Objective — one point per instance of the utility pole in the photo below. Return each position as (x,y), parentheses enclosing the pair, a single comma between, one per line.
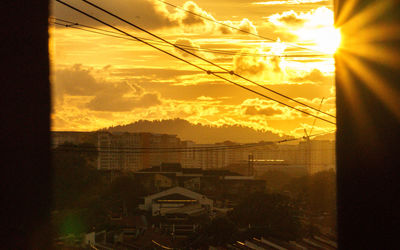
(250,169)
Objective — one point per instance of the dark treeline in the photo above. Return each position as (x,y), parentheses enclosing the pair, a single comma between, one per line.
(83,196)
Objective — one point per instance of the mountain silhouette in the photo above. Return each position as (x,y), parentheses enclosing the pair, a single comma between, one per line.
(199,133)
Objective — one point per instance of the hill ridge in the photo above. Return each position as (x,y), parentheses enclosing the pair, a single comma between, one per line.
(199,133)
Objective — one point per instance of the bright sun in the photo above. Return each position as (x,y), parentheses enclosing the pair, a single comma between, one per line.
(329,40)
(326,39)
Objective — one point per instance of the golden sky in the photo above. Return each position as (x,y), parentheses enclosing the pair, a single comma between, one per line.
(100,81)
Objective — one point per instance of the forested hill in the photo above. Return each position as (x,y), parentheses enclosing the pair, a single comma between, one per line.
(199,133)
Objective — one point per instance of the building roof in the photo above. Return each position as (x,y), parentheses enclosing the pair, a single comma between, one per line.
(219,172)
(192,170)
(177,190)
(174,197)
(164,167)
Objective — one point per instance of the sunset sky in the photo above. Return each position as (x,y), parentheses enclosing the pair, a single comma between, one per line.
(100,81)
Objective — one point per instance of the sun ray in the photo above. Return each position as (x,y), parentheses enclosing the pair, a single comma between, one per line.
(376,83)
(344,12)
(347,85)
(367,15)
(374,53)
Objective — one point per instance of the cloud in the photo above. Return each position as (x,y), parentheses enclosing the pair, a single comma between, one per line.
(118,103)
(251,110)
(315,18)
(224,29)
(292,2)
(104,95)
(247,26)
(190,19)
(151,14)
(289,18)
(269,108)
(294,26)
(205,98)
(152,73)
(256,65)
(188,45)
(315,76)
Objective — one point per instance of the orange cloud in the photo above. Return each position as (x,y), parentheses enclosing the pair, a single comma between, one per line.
(105,95)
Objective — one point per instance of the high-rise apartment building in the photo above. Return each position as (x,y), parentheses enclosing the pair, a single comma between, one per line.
(125,151)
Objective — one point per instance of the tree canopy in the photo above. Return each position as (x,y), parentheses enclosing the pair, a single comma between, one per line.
(269,214)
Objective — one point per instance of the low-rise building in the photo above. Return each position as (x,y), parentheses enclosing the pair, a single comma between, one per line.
(178,211)
(176,199)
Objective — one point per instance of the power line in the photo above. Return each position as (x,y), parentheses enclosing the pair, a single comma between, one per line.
(90,149)
(232,27)
(169,150)
(196,66)
(205,60)
(214,64)
(73,25)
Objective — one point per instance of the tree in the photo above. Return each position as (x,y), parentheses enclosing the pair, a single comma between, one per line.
(218,232)
(276,180)
(317,192)
(267,214)
(77,188)
(75,178)
(125,191)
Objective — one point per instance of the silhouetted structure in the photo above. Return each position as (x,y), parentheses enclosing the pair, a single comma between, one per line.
(368,124)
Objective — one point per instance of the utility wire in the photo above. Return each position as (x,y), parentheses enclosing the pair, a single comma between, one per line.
(208,61)
(232,27)
(73,25)
(69,148)
(161,150)
(196,66)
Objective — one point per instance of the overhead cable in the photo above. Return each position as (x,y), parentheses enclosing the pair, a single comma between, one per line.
(206,60)
(155,150)
(74,25)
(199,67)
(235,28)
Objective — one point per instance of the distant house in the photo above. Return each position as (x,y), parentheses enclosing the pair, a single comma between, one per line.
(214,183)
(176,199)
(178,211)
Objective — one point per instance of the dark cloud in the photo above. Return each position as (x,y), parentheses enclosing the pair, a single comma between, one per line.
(190,19)
(251,110)
(75,81)
(150,14)
(108,95)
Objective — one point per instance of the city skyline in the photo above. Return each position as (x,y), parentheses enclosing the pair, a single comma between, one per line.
(131,152)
